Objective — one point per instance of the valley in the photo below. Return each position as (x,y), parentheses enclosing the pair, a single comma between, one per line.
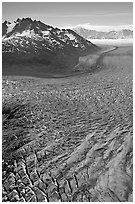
(70,138)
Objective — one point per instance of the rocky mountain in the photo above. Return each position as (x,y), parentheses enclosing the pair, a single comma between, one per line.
(94,34)
(27,41)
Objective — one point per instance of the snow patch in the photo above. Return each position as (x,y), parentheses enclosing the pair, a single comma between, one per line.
(58,32)
(27,33)
(49,28)
(46,32)
(10,27)
(72,37)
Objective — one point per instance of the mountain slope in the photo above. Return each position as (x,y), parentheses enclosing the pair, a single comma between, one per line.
(30,42)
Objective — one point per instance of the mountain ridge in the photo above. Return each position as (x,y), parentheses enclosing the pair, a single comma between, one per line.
(113,34)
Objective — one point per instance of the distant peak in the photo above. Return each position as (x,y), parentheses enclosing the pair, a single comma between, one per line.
(103,28)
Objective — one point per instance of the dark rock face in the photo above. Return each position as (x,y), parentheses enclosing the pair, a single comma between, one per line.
(4,27)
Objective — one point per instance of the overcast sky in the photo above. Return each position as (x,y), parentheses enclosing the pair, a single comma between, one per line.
(61,14)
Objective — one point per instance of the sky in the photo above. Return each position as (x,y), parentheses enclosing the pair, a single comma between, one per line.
(70,14)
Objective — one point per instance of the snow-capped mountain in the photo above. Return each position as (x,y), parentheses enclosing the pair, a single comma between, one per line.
(115,33)
(25,30)
(103,28)
(33,41)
